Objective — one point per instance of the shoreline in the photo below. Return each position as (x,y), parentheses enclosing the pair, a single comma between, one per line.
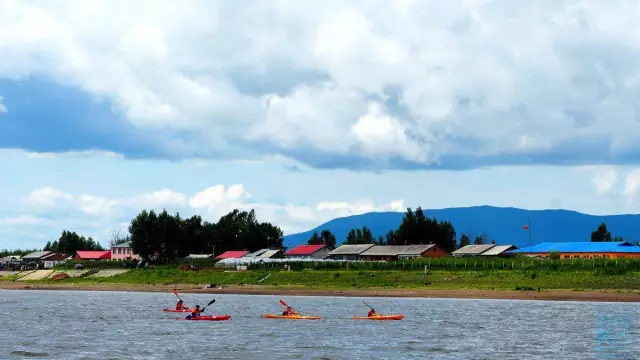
(544,295)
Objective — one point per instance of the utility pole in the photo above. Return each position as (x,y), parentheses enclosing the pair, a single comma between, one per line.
(529,223)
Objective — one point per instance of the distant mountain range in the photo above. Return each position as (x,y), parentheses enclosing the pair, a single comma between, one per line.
(504,225)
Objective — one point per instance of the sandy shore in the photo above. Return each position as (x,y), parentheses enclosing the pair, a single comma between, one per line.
(553,295)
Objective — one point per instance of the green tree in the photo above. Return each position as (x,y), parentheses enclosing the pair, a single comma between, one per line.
(601,234)
(69,242)
(360,236)
(464,241)
(416,228)
(328,238)
(314,239)
(170,236)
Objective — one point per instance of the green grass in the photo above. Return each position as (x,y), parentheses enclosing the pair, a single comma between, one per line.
(344,279)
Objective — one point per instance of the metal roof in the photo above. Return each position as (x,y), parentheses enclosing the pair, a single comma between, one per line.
(124,245)
(473,249)
(200,256)
(232,254)
(351,249)
(416,249)
(384,250)
(257,253)
(498,249)
(37,254)
(269,253)
(304,249)
(577,247)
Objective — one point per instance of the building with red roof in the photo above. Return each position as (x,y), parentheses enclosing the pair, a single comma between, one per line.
(92,255)
(309,252)
(232,254)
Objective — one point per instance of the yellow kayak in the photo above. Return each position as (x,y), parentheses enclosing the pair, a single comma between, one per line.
(380,317)
(291,317)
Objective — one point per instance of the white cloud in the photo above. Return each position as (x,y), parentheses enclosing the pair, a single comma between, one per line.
(632,185)
(48,197)
(211,203)
(604,178)
(473,78)
(21,220)
(3,107)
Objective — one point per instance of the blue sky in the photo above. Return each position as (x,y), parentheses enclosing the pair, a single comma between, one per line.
(307,112)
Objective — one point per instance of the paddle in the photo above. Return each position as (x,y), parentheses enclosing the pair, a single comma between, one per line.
(176,294)
(210,302)
(374,310)
(285,305)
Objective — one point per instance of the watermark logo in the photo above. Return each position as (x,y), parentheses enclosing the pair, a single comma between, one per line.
(614,337)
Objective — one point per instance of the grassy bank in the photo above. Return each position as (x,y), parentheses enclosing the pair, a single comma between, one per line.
(489,279)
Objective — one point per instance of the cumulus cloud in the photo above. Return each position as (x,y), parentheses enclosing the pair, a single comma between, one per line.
(211,203)
(394,82)
(604,178)
(632,185)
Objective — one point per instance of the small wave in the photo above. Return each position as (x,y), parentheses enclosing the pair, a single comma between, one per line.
(29,354)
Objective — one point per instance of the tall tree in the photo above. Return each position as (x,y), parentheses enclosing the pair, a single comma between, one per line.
(360,236)
(314,239)
(69,242)
(464,241)
(416,228)
(601,234)
(328,238)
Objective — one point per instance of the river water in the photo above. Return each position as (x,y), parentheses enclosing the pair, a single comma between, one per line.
(113,325)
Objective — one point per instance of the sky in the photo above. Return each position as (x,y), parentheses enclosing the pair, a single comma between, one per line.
(310,110)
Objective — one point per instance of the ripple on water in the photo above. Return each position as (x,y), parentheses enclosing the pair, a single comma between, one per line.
(29,354)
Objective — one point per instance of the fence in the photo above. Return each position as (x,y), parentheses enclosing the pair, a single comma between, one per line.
(473,263)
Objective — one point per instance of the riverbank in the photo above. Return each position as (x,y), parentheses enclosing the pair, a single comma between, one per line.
(549,295)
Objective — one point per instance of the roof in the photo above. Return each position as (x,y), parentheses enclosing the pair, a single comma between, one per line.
(199,256)
(577,247)
(384,250)
(473,249)
(37,254)
(351,249)
(416,249)
(257,253)
(232,254)
(93,255)
(269,253)
(499,249)
(305,249)
(125,245)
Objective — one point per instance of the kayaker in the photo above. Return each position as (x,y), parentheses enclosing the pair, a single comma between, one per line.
(194,313)
(371,313)
(288,311)
(180,305)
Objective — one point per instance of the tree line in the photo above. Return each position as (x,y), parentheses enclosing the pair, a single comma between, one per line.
(165,236)
(415,228)
(69,242)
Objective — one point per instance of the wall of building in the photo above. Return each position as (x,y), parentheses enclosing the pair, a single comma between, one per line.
(587,255)
(123,254)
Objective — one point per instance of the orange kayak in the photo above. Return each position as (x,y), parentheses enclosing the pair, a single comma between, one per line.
(174,310)
(380,317)
(291,317)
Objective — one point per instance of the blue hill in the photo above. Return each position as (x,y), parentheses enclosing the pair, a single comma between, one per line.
(505,225)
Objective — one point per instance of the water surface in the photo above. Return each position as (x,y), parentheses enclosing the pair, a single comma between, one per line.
(114,325)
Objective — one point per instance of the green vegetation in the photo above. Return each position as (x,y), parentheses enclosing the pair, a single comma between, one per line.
(69,242)
(344,279)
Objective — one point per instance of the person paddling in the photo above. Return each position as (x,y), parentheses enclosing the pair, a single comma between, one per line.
(372,312)
(195,313)
(180,305)
(288,311)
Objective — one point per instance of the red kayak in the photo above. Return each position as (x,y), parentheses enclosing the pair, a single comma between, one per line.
(174,310)
(209,318)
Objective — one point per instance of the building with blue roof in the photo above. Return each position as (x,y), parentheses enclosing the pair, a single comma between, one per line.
(582,250)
